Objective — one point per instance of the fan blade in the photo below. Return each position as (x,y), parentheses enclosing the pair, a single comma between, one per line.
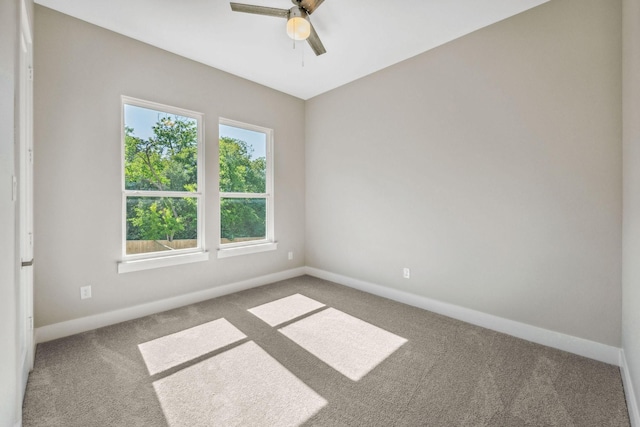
(260,10)
(310,5)
(315,43)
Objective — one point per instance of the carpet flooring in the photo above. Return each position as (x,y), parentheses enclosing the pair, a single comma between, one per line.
(307,352)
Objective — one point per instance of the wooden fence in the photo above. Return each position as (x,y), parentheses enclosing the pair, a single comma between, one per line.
(240,239)
(145,246)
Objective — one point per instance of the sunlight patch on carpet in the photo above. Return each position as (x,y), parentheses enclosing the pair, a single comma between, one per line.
(172,350)
(349,345)
(243,386)
(279,311)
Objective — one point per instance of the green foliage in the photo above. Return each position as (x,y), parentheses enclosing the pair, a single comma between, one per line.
(239,173)
(167,161)
(153,221)
(243,218)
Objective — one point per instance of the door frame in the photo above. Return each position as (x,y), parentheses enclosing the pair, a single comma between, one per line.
(25,195)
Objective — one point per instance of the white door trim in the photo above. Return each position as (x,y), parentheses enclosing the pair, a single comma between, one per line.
(25,195)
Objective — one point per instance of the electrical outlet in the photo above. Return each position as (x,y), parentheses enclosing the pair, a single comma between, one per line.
(406,273)
(85,292)
(290,255)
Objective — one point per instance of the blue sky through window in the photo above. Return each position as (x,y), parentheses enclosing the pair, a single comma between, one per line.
(143,119)
(257,140)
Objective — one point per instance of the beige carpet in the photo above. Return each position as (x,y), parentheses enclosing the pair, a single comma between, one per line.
(307,352)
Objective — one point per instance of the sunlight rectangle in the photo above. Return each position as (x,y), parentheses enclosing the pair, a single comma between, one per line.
(172,350)
(349,345)
(277,312)
(243,386)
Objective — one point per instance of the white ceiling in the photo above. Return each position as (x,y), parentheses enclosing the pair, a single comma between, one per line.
(361,36)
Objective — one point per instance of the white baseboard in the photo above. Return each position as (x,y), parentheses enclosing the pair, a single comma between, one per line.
(580,346)
(75,326)
(632,402)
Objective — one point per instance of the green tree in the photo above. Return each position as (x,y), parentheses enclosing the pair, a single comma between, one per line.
(165,162)
(153,221)
(240,173)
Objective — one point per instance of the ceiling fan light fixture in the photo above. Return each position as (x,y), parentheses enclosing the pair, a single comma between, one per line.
(298,25)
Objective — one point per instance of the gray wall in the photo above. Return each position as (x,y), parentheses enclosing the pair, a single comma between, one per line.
(490,166)
(10,398)
(631,229)
(81,72)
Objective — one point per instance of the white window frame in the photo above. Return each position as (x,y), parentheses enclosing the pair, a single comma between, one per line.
(165,258)
(268,243)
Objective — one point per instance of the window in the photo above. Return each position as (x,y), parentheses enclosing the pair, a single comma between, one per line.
(246,189)
(162,183)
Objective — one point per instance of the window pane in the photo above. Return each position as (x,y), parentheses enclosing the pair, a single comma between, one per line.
(243,220)
(156,224)
(161,150)
(243,164)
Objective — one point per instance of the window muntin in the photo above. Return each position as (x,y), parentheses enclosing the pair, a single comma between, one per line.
(246,184)
(162,180)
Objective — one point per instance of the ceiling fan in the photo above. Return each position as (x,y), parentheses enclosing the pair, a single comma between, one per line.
(298,25)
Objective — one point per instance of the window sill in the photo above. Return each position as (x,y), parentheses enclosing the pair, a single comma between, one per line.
(165,261)
(248,249)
